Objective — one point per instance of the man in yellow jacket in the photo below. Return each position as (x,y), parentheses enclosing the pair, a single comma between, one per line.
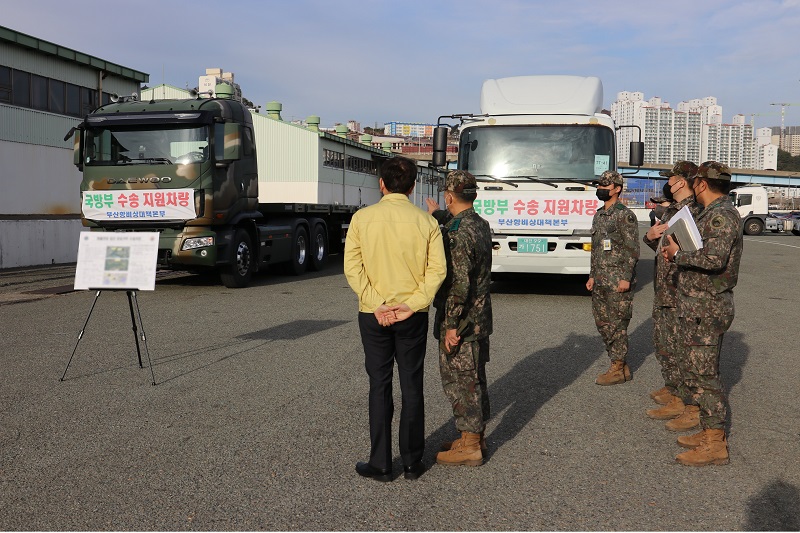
(394,261)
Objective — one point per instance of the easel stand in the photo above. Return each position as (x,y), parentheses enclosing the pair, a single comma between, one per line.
(132,304)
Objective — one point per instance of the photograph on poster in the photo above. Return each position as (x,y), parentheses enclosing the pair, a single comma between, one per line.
(111,260)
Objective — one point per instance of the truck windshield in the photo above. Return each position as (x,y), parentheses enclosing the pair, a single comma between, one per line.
(578,152)
(179,145)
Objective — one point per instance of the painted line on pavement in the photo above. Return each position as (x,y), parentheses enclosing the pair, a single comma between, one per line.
(775,243)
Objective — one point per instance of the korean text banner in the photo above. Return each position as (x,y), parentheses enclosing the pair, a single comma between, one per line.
(157,204)
(537,210)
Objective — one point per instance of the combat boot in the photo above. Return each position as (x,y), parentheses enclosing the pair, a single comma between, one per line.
(691,441)
(465,451)
(673,409)
(712,451)
(614,375)
(690,419)
(663,398)
(659,392)
(449,444)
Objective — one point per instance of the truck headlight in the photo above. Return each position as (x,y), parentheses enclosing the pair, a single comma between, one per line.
(197,242)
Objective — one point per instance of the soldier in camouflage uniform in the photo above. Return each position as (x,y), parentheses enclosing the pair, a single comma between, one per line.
(706,279)
(612,278)
(666,340)
(463,320)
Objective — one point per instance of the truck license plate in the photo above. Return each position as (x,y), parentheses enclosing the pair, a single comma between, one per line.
(532,245)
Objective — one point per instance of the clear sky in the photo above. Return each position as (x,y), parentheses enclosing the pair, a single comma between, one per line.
(391,60)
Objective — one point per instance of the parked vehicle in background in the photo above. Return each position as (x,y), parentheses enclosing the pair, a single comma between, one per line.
(535,149)
(752,204)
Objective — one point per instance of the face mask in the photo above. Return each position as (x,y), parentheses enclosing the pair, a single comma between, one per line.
(668,192)
(603,194)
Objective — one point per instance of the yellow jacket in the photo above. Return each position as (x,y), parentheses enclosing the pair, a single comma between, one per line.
(394,254)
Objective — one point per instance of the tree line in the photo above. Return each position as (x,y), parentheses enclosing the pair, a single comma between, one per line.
(787,161)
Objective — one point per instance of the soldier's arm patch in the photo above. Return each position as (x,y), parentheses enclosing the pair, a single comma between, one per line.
(718,222)
(631,218)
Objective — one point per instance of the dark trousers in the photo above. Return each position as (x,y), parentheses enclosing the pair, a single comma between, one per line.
(404,342)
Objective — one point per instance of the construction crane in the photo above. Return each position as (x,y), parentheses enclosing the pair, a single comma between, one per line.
(753,118)
(783,129)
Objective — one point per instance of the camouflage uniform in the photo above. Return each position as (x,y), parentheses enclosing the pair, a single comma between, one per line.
(666,338)
(463,303)
(706,279)
(615,252)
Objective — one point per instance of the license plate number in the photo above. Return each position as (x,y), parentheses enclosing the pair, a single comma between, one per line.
(532,245)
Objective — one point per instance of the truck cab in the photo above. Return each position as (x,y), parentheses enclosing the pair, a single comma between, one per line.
(752,203)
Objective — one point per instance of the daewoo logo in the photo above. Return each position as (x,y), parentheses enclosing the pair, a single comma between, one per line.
(154,179)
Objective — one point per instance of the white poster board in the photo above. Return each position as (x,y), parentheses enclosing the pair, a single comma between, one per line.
(117,260)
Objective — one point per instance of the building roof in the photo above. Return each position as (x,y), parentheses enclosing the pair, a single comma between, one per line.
(68,54)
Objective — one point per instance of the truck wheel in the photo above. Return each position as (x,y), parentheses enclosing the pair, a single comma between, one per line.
(753,226)
(796,232)
(299,260)
(237,274)
(318,248)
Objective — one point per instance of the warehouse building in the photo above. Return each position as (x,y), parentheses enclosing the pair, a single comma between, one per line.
(45,90)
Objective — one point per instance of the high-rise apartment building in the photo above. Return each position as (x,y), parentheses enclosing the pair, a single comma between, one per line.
(694,131)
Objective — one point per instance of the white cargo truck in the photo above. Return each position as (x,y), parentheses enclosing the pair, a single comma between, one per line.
(535,148)
(753,206)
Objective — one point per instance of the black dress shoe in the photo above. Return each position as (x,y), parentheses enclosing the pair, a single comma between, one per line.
(414,471)
(367,470)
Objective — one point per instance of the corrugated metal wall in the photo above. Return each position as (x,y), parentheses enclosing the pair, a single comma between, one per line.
(30,126)
(59,69)
(38,180)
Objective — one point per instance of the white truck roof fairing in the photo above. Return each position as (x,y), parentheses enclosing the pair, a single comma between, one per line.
(542,95)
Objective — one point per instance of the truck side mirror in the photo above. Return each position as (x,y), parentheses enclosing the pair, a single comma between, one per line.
(439,158)
(637,154)
(228,143)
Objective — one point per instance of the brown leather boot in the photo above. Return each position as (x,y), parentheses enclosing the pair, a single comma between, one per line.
(626,371)
(465,451)
(447,445)
(673,409)
(663,399)
(712,451)
(614,375)
(659,392)
(690,419)
(691,441)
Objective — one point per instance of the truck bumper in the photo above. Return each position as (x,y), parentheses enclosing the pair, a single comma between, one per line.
(170,254)
(565,255)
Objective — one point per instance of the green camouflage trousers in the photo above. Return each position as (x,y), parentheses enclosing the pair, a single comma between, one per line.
(701,383)
(668,346)
(612,313)
(464,381)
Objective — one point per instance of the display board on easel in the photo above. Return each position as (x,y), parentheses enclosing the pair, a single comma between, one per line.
(116,260)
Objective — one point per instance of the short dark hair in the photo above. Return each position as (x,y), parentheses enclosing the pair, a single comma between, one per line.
(717,186)
(399,174)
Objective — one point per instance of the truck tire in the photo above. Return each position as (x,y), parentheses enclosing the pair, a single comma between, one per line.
(318,248)
(239,271)
(299,260)
(753,226)
(796,232)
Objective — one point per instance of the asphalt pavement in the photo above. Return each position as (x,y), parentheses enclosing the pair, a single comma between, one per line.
(259,413)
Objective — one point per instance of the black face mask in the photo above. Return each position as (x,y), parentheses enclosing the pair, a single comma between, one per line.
(668,192)
(603,194)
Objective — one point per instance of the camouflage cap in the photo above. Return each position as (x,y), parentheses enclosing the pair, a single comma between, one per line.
(658,199)
(713,170)
(687,169)
(608,177)
(460,181)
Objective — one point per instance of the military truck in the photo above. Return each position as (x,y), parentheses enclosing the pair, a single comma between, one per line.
(535,148)
(190,169)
